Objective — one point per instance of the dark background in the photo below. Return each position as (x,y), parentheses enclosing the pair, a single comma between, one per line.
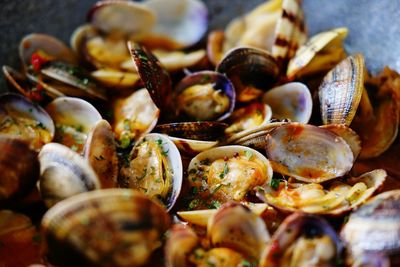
(374,24)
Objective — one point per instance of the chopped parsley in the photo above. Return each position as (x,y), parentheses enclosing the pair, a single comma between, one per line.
(275,183)
(248,154)
(224,172)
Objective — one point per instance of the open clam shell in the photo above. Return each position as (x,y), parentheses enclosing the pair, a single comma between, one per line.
(19,167)
(73,118)
(308,153)
(134,116)
(180,23)
(182,240)
(18,81)
(205,96)
(48,45)
(291,101)
(110,227)
(335,198)
(303,240)
(64,173)
(124,17)
(101,153)
(226,173)
(251,71)
(21,118)
(341,89)
(155,168)
(374,227)
(235,226)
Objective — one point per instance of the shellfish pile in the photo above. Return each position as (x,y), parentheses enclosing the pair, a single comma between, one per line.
(151,141)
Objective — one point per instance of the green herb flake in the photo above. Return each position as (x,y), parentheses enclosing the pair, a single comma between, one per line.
(40,125)
(205,162)
(218,187)
(193,204)
(79,128)
(165,153)
(215,204)
(194,190)
(246,263)
(125,141)
(248,154)
(141,177)
(224,172)
(74,148)
(275,183)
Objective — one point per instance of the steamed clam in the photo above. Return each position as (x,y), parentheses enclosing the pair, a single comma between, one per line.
(111,227)
(155,168)
(205,96)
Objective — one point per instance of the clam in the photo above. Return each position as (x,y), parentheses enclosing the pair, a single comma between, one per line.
(251,71)
(110,227)
(101,153)
(374,228)
(21,118)
(182,240)
(178,60)
(248,117)
(180,23)
(303,240)
(134,116)
(378,119)
(116,79)
(221,257)
(155,168)
(226,173)
(155,78)
(193,137)
(19,167)
(235,226)
(290,32)
(214,46)
(335,198)
(73,118)
(122,17)
(205,96)
(318,55)
(19,237)
(341,89)
(308,153)
(64,173)
(80,35)
(290,101)
(36,49)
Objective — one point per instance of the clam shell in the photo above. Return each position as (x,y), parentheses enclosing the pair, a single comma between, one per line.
(101,153)
(335,198)
(17,80)
(129,18)
(142,179)
(235,226)
(48,44)
(19,167)
(191,146)
(198,105)
(308,153)
(374,227)
(202,131)
(307,56)
(251,71)
(155,78)
(182,240)
(180,23)
(79,36)
(73,118)
(341,89)
(228,173)
(64,173)
(110,227)
(116,79)
(293,229)
(291,101)
(21,118)
(214,46)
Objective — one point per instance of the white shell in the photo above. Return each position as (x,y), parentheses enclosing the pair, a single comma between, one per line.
(290,101)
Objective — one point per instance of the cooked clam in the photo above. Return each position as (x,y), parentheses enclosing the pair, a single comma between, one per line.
(134,116)
(73,118)
(335,198)
(303,240)
(374,228)
(19,167)
(205,96)
(290,101)
(155,168)
(308,153)
(226,173)
(180,23)
(235,226)
(221,257)
(64,173)
(101,153)
(110,227)
(21,118)
(341,89)
(251,71)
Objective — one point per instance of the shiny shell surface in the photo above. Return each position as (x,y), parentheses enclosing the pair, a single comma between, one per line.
(308,153)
